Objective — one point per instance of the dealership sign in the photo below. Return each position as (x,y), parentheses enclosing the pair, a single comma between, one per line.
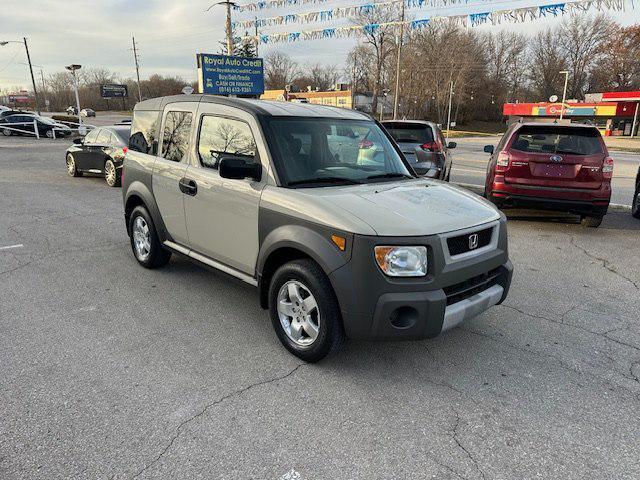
(113,90)
(224,75)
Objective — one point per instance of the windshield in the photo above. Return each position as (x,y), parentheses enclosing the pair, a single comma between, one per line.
(409,133)
(325,151)
(46,120)
(556,139)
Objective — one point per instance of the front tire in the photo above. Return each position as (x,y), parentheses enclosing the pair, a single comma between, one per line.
(145,242)
(591,222)
(72,170)
(49,134)
(111,174)
(6,132)
(635,206)
(304,311)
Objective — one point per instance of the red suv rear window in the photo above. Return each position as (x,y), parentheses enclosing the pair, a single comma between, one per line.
(558,139)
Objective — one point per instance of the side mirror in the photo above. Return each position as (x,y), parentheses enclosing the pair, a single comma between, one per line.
(77,141)
(452,145)
(236,168)
(488,149)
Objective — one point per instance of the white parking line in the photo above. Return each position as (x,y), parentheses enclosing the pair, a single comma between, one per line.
(8,247)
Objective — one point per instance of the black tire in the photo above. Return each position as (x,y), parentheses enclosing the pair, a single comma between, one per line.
(591,222)
(6,132)
(72,170)
(157,256)
(112,181)
(635,205)
(49,133)
(331,336)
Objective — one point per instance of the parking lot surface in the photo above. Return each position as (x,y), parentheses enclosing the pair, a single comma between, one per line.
(111,371)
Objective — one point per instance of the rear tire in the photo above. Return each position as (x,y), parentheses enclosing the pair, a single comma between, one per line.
(6,132)
(49,134)
(145,242)
(111,174)
(635,206)
(591,222)
(304,311)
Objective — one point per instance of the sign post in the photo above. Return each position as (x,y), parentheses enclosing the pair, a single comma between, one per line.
(225,75)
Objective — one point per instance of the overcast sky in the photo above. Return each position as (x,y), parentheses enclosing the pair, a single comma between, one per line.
(97,33)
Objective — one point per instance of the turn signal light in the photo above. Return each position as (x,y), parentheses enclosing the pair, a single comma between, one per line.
(430,147)
(607,167)
(125,150)
(340,242)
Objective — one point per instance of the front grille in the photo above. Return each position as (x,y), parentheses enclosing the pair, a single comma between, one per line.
(468,288)
(462,243)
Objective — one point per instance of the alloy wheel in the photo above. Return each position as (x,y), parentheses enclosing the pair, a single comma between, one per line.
(71,165)
(141,239)
(110,173)
(298,312)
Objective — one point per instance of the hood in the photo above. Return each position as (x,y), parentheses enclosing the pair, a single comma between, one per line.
(408,208)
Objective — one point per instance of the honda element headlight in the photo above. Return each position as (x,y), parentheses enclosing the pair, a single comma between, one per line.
(401,261)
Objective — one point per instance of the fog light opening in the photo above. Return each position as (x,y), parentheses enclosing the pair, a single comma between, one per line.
(404,317)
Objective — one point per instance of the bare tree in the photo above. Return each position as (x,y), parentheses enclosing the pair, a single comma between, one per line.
(279,70)
(547,60)
(581,38)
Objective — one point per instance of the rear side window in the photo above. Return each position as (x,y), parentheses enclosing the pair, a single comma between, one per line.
(175,136)
(144,131)
(220,135)
(410,133)
(553,139)
(91,136)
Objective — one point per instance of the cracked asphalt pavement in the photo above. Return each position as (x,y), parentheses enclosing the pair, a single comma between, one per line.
(111,371)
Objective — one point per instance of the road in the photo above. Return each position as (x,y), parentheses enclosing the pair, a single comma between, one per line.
(470,166)
(111,371)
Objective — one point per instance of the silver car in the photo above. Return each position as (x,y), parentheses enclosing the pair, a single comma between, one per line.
(317,208)
(424,146)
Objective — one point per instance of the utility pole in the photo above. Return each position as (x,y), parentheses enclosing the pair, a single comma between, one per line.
(398,60)
(44,90)
(564,92)
(228,29)
(449,114)
(33,79)
(255,24)
(135,58)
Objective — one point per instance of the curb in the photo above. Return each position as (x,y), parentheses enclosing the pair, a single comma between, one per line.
(613,207)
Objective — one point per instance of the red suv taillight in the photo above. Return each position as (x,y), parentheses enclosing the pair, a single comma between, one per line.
(503,160)
(607,167)
(431,147)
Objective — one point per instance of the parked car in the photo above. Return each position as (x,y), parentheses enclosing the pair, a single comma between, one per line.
(101,152)
(71,110)
(8,112)
(87,112)
(551,166)
(3,108)
(124,121)
(23,124)
(262,192)
(635,206)
(423,145)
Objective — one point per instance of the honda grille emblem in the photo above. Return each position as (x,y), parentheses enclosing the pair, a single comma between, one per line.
(473,241)
(555,158)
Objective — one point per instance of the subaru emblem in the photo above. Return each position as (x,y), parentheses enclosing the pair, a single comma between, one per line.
(473,241)
(555,158)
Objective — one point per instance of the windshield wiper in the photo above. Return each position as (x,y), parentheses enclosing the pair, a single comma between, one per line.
(336,180)
(389,175)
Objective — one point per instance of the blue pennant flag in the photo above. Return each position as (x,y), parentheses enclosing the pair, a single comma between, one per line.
(264,38)
(261,5)
(554,10)
(418,24)
(479,18)
(328,32)
(326,15)
(371,28)
(293,36)
(290,18)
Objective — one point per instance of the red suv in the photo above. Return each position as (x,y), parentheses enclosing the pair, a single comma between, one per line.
(551,166)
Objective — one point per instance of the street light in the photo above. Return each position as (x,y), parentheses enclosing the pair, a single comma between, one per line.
(33,80)
(564,92)
(72,68)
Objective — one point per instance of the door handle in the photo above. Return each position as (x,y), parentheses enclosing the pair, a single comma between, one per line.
(188,186)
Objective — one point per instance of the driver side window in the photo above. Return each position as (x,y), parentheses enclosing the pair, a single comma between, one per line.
(91,137)
(219,135)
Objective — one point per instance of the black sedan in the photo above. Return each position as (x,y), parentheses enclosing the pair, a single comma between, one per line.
(101,152)
(26,124)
